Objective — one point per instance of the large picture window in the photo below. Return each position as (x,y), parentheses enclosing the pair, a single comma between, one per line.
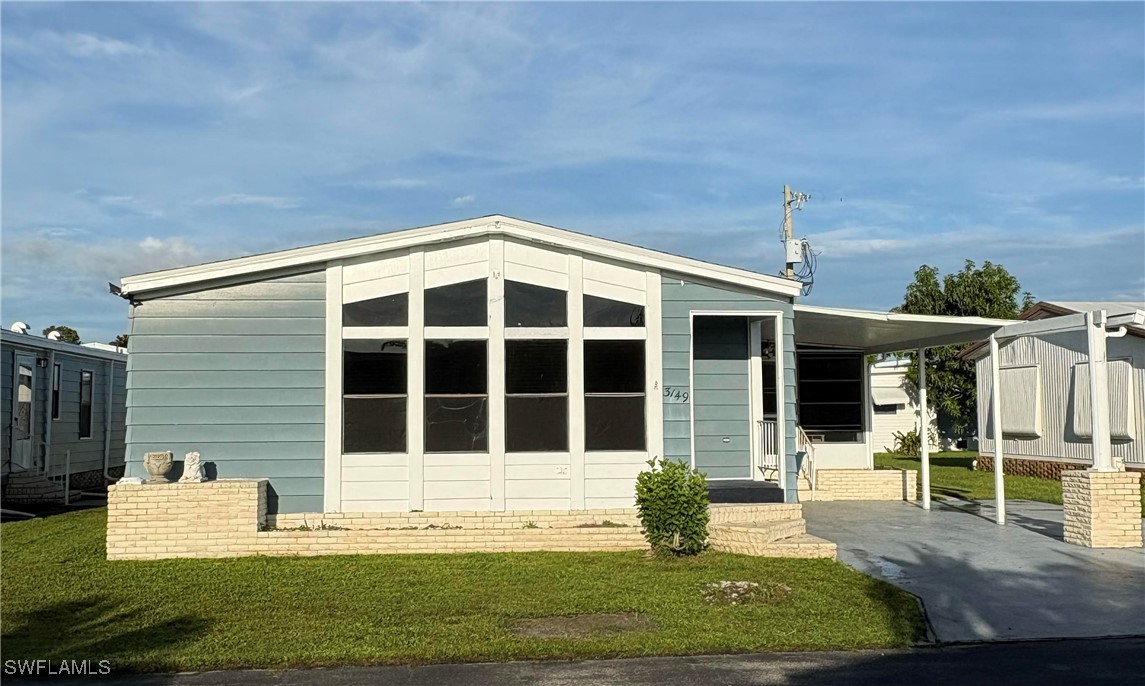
(459,304)
(536,396)
(456,396)
(830,387)
(374,387)
(614,395)
(86,382)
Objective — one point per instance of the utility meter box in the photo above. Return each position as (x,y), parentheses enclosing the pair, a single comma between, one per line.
(794,249)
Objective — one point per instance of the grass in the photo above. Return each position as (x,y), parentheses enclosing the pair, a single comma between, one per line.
(63,600)
(952,475)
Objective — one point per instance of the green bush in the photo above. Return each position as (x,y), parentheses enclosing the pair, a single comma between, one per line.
(910,443)
(672,502)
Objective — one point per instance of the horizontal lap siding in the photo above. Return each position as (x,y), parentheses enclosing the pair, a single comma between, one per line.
(237,374)
(720,371)
(721,397)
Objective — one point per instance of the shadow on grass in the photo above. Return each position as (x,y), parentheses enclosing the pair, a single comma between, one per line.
(96,628)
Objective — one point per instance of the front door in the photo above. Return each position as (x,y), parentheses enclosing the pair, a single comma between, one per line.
(721,396)
(23,410)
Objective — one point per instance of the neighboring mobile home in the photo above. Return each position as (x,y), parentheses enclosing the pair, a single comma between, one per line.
(895,408)
(495,364)
(1045,394)
(64,407)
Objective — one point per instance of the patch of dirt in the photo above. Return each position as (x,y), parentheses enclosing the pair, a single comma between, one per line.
(582,626)
(743,592)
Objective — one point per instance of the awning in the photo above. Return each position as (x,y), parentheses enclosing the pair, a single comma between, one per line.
(889,396)
(885,332)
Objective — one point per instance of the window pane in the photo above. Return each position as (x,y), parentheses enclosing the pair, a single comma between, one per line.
(536,366)
(85,404)
(374,425)
(459,304)
(605,312)
(821,366)
(831,391)
(838,416)
(538,424)
(614,422)
(614,366)
(529,305)
(374,367)
(392,310)
(56,391)
(456,368)
(456,425)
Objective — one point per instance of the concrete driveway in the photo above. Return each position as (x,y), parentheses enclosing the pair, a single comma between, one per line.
(982,582)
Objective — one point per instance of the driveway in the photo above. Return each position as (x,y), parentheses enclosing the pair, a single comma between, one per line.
(983,582)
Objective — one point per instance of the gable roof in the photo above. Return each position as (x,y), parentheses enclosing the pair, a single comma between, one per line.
(493,225)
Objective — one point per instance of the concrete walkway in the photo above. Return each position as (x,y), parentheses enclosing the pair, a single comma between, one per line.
(982,582)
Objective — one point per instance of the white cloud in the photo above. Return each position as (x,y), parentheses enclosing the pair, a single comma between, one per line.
(274,202)
(463,200)
(76,44)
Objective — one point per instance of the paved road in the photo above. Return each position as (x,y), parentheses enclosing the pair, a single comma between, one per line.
(1045,663)
(979,581)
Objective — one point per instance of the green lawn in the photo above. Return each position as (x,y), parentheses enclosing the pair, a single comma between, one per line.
(951,475)
(62,600)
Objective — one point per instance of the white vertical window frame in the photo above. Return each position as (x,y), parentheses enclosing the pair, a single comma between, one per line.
(332,472)
(576,381)
(415,378)
(653,365)
(496,366)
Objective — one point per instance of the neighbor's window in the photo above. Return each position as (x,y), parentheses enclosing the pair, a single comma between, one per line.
(459,304)
(536,396)
(830,385)
(885,409)
(374,396)
(456,396)
(86,380)
(614,395)
(534,306)
(605,312)
(56,391)
(390,310)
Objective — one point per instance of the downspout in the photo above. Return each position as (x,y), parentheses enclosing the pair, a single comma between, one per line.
(107,419)
(48,419)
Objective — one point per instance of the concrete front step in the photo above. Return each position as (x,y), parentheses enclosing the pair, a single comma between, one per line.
(774,538)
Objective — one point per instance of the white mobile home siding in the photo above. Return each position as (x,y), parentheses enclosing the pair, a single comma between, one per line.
(1056,354)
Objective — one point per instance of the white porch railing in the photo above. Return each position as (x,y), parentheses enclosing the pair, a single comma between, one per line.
(768,449)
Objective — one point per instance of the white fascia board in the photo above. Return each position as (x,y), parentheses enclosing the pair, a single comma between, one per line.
(483,226)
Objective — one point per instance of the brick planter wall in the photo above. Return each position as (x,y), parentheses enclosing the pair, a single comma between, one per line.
(1041,469)
(866,484)
(1102,509)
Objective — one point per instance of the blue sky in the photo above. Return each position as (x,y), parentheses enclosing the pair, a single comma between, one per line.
(138,137)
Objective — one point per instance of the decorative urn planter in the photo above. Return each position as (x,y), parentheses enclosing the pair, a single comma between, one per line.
(158,464)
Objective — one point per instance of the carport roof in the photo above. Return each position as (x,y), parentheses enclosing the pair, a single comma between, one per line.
(885,332)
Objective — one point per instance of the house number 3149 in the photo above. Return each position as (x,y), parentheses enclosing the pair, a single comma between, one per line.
(675,394)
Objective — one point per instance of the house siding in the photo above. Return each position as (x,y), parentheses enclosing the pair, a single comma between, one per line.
(237,374)
(722,403)
(1055,355)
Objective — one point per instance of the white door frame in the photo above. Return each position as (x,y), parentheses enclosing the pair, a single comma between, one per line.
(24,456)
(755,386)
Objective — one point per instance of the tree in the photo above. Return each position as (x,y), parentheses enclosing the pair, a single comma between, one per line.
(67,333)
(986,291)
(120,340)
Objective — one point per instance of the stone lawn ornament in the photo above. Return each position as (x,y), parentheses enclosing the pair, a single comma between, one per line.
(158,464)
(192,469)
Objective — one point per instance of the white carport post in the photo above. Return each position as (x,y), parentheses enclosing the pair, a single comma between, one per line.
(923,429)
(1099,391)
(996,402)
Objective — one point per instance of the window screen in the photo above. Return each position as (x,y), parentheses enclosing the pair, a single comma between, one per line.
(605,312)
(55,391)
(536,396)
(86,381)
(614,395)
(459,304)
(830,386)
(374,387)
(456,396)
(529,305)
(391,310)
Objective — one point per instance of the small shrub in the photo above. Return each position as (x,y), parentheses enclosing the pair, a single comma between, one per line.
(910,443)
(672,502)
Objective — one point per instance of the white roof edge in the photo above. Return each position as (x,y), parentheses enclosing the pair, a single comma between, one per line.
(481,226)
(77,349)
(899,317)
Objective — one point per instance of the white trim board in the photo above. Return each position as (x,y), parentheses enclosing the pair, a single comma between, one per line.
(494,225)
